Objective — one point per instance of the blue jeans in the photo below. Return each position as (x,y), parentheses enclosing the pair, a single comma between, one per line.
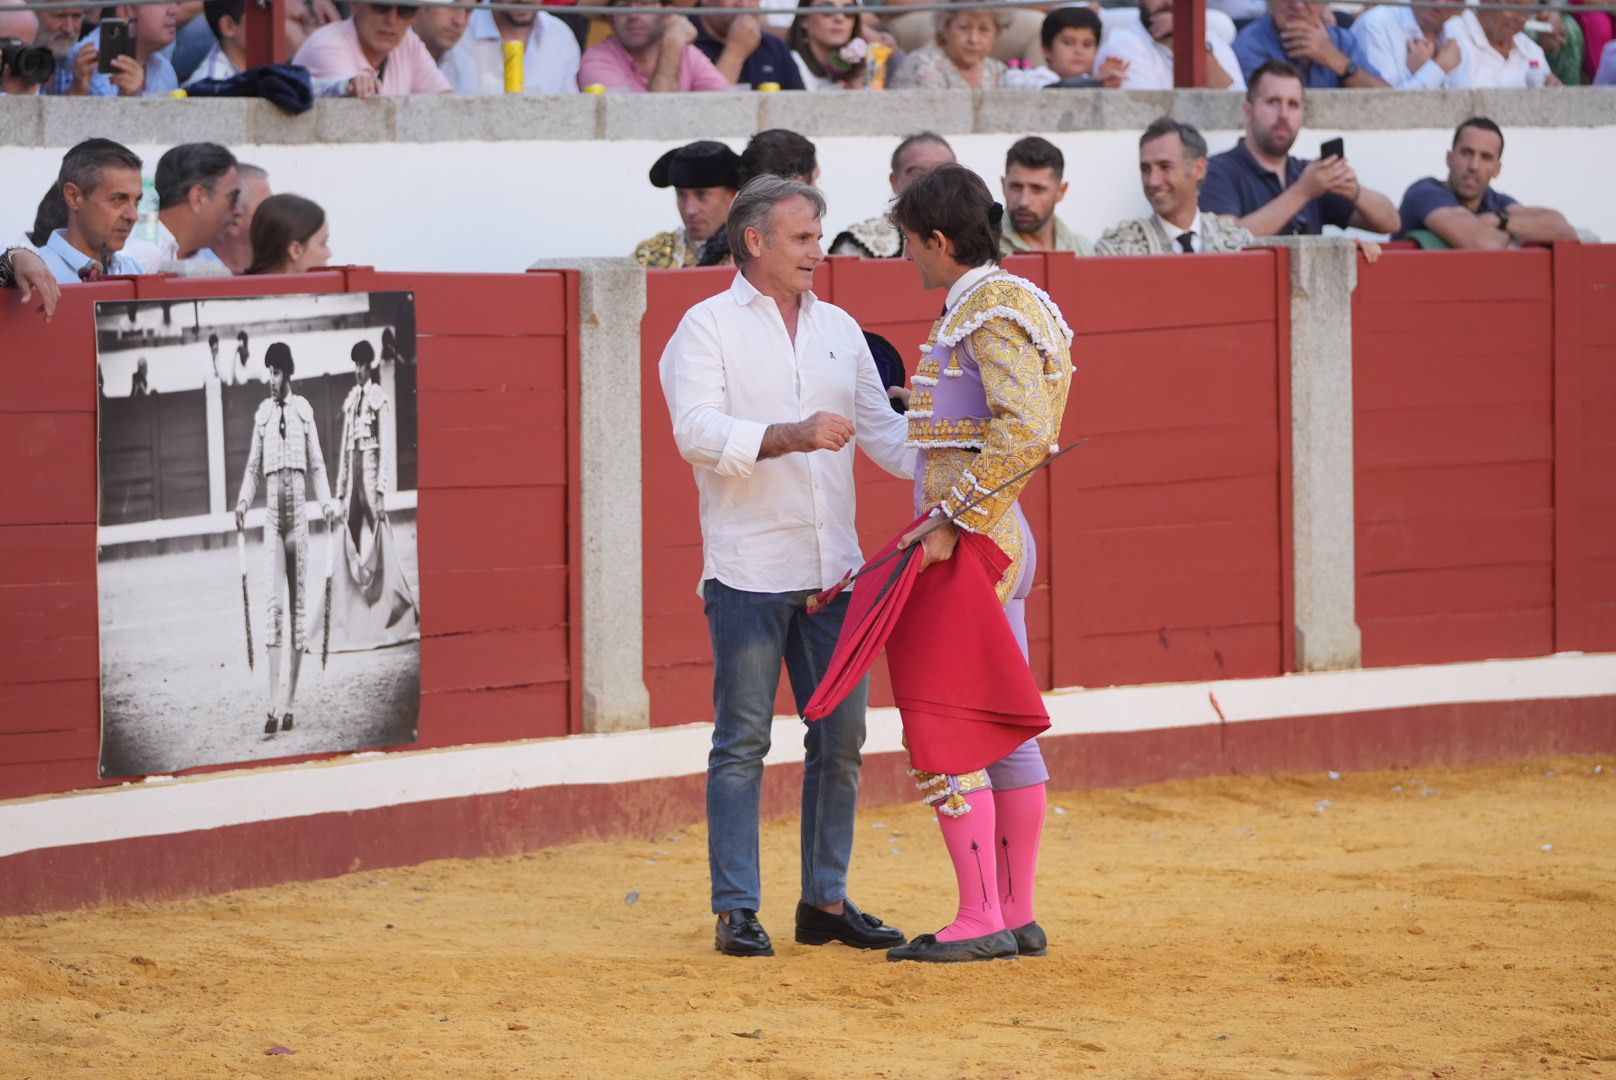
(752,633)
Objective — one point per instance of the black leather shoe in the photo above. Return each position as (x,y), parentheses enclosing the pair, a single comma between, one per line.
(286,722)
(927,949)
(851,927)
(743,935)
(1031,940)
(272,726)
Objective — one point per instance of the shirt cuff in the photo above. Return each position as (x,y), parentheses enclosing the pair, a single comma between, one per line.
(1429,77)
(741,448)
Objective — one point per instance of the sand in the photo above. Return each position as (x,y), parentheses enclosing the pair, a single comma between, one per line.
(1377,926)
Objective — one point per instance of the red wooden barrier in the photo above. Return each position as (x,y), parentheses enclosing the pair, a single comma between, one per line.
(1454,403)
(497,491)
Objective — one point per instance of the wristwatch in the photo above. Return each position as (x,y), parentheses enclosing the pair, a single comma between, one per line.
(1503,219)
(1351,70)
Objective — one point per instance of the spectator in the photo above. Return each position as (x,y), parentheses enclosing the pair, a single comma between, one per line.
(1017,37)
(16,21)
(100,185)
(1240,12)
(1465,211)
(829,48)
(1563,47)
(1172,167)
(146,74)
(1034,183)
(1598,31)
(1142,56)
(742,52)
(371,52)
(960,59)
(140,381)
(235,243)
(290,235)
(876,238)
(649,52)
(1296,31)
(198,197)
(1605,75)
(550,54)
(1407,45)
(1071,39)
(50,216)
(776,152)
(704,177)
(228,57)
(1497,54)
(1272,193)
(304,17)
(59,32)
(440,30)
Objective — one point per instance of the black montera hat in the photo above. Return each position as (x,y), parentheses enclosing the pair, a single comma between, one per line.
(698,165)
(279,356)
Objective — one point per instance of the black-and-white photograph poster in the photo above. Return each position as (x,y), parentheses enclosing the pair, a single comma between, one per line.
(258,578)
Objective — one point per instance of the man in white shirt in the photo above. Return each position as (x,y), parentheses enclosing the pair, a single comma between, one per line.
(1147,49)
(549,61)
(1496,52)
(766,385)
(1172,167)
(198,198)
(1407,45)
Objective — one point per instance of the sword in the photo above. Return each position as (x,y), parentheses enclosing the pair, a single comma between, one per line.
(817,602)
(330,559)
(246,608)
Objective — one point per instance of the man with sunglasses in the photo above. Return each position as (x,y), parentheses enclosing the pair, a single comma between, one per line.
(373,51)
(198,198)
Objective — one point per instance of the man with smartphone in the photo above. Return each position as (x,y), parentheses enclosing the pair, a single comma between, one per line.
(123,56)
(1274,194)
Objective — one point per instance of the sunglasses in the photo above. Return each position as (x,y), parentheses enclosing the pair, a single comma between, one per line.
(403,11)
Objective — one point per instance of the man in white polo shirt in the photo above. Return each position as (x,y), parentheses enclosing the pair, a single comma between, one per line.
(766,385)
(1497,54)
(1408,45)
(550,54)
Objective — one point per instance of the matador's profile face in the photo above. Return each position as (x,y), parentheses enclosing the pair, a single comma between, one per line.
(282,386)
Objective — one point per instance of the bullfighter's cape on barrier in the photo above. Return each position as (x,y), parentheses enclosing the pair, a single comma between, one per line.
(956,717)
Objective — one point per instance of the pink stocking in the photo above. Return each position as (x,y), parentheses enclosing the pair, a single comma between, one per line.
(1020,813)
(970,845)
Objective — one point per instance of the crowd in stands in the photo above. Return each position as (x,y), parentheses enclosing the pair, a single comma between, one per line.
(361,49)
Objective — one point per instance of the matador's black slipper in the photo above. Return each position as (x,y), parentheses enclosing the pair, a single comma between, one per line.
(286,722)
(273,725)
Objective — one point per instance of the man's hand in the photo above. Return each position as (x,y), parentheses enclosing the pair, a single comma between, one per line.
(937,541)
(677,33)
(1311,42)
(32,273)
(900,393)
(364,85)
(821,431)
(744,36)
(1368,248)
(241,516)
(1323,175)
(328,510)
(1113,72)
(128,75)
(1420,52)
(84,65)
(1448,55)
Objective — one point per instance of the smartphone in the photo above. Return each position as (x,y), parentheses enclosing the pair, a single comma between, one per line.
(1333,148)
(116,40)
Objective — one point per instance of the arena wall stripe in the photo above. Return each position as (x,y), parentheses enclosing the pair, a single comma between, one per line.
(58,850)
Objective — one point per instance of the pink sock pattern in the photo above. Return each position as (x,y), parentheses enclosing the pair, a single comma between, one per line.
(1019,817)
(970,845)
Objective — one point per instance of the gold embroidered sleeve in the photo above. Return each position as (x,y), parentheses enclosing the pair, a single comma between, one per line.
(1024,426)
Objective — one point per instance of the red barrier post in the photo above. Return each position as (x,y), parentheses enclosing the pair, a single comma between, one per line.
(266,33)
(1189,43)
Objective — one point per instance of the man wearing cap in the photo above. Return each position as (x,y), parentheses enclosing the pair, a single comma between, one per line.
(704,176)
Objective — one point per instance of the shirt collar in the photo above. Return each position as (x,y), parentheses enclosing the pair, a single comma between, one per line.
(72,256)
(484,28)
(968,281)
(1174,232)
(744,293)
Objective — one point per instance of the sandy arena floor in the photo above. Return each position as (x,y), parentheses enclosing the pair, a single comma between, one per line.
(1383,925)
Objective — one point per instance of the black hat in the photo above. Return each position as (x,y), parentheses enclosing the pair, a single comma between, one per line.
(278,356)
(698,165)
(363,352)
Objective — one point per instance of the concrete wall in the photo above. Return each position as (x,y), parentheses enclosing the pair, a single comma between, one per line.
(482,184)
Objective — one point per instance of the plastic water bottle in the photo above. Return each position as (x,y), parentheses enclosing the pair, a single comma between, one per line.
(1016,77)
(1536,75)
(146,219)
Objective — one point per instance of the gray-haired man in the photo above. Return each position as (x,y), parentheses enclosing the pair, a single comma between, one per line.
(766,385)
(1172,166)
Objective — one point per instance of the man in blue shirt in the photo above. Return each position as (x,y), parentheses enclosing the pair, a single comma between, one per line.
(742,52)
(100,182)
(1296,31)
(1465,211)
(1274,194)
(147,74)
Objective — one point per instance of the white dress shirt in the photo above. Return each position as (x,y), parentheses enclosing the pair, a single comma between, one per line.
(1174,232)
(549,61)
(1150,63)
(1483,67)
(1385,32)
(731,370)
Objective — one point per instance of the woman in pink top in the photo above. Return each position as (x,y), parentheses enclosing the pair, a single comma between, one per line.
(649,52)
(375,51)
